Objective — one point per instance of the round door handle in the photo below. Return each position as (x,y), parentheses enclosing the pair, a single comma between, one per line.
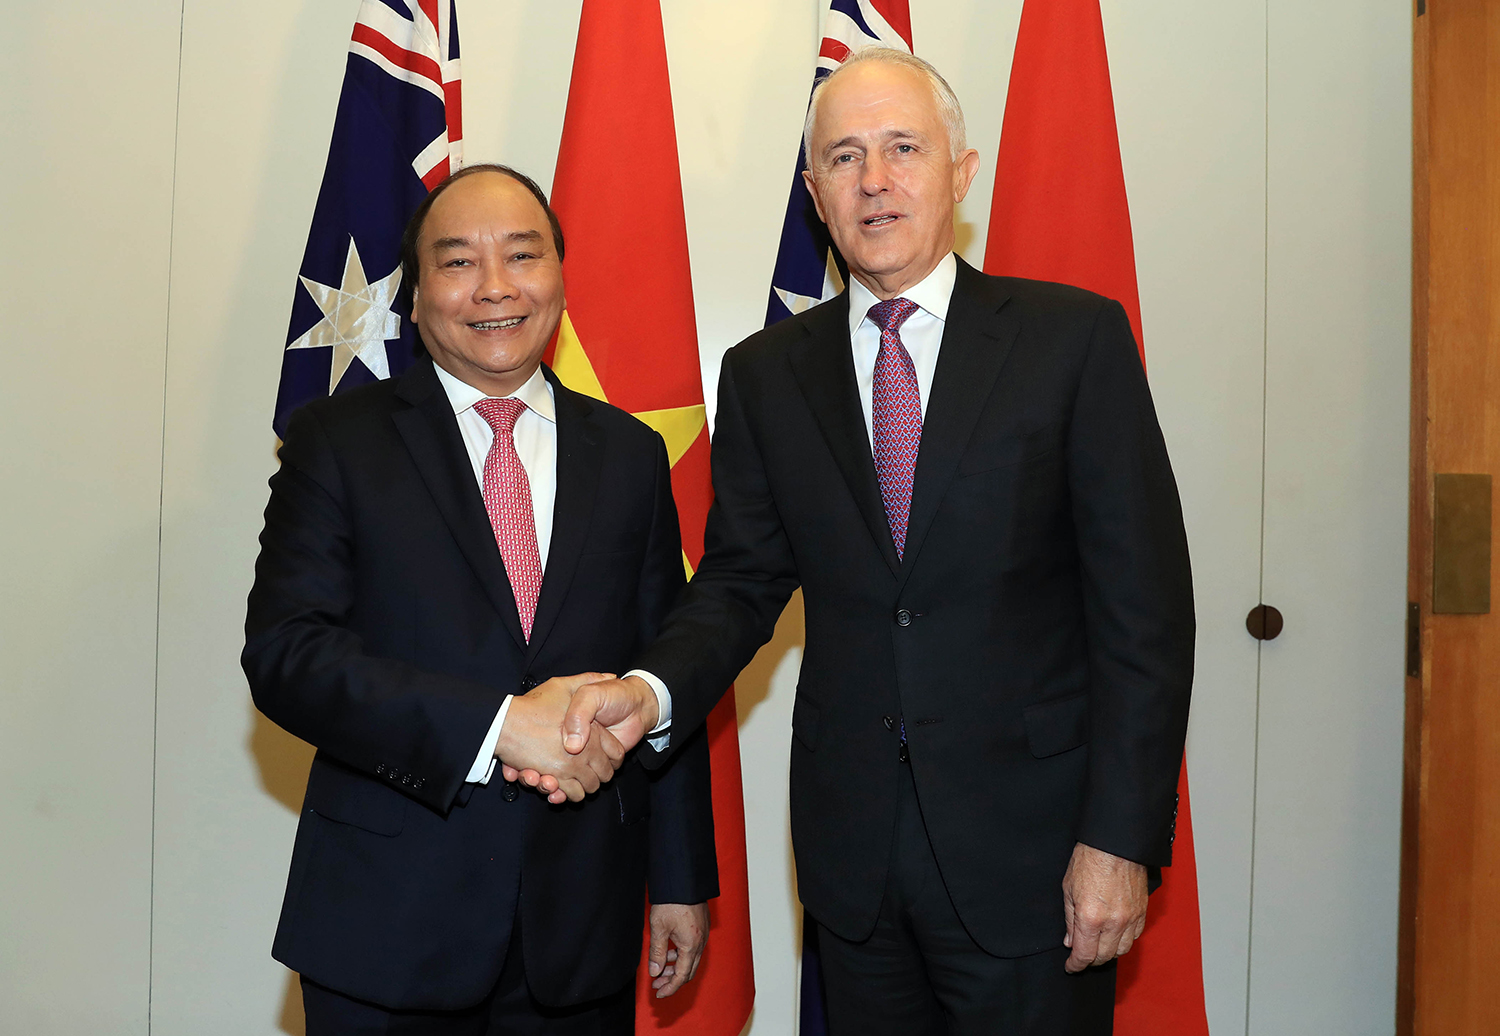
(1264,622)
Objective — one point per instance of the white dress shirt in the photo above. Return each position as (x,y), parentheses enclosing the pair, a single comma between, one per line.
(536,444)
(922,334)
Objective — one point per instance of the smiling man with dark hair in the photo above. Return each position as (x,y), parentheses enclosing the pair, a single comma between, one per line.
(436,547)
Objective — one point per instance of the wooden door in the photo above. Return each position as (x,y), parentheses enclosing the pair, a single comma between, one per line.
(1451,838)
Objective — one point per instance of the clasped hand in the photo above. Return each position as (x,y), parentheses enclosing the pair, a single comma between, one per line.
(530,742)
(596,714)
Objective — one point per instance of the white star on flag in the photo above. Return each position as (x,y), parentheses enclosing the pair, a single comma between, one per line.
(357,319)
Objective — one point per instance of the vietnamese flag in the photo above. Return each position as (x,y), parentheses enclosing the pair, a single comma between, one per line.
(629,336)
(1060,214)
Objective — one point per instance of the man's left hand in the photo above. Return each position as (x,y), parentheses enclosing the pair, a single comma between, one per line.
(1104,901)
(686,929)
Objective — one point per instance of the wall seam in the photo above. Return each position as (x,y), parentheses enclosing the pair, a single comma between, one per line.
(161,518)
(1265,329)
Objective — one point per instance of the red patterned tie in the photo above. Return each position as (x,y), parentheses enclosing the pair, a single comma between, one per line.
(507,498)
(897,416)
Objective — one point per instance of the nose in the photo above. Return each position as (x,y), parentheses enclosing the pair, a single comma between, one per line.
(495,284)
(875,174)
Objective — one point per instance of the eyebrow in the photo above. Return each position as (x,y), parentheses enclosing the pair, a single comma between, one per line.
(447,243)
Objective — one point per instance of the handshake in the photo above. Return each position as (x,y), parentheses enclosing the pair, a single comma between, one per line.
(566,737)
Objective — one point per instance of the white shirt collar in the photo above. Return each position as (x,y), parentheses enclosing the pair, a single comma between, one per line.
(932,293)
(535,393)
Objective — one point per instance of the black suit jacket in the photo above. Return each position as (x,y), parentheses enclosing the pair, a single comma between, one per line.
(1037,638)
(382,630)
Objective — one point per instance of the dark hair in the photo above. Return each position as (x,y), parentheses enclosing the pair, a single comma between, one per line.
(413,231)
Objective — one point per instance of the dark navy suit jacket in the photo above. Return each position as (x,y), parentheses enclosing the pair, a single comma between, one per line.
(381,629)
(1036,638)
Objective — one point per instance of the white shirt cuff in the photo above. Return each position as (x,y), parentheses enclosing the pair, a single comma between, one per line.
(484,762)
(663,709)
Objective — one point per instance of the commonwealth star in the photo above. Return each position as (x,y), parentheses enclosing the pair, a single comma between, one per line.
(357,319)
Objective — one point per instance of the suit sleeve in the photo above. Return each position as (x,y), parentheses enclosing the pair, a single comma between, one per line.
(746,577)
(1138,600)
(682,864)
(313,676)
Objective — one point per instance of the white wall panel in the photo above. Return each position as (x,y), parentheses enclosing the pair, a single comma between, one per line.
(86,169)
(258,97)
(1338,337)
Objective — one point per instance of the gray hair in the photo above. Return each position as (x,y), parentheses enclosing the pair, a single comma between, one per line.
(948,107)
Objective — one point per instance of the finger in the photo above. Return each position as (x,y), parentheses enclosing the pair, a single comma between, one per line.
(1085,947)
(547,783)
(572,790)
(1109,944)
(1127,940)
(510,773)
(557,798)
(657,954)
(530,778)
(581,712)
(609,744)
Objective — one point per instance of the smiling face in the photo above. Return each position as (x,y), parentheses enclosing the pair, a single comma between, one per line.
(883,175)
(489,289)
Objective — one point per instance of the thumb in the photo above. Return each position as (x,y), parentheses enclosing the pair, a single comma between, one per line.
(581,712)
(658,953)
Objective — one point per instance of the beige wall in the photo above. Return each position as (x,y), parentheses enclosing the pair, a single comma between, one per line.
(160,164)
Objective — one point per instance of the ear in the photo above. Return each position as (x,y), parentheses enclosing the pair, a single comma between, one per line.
(963,174)
(414,292)
(812,189)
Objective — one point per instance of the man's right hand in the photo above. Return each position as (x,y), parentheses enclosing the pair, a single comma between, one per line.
(529,740)
(626,708)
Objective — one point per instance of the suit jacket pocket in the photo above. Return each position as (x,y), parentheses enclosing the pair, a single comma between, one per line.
(805,723)
(346,796)
(1012,447)
(1058,725)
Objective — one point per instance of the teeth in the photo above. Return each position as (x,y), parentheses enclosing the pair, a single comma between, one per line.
(495,325)
(876,221)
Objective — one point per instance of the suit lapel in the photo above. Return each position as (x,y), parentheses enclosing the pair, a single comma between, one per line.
(977,338)
(580,460)
(431,434)
(824,367)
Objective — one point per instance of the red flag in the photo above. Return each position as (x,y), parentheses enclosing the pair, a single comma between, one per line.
(629,336)
(1060,214)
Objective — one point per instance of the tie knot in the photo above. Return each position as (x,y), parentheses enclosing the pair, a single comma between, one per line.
(500,414)
(892,313)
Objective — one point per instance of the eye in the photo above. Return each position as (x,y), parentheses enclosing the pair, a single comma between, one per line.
(905,149)
(457,262)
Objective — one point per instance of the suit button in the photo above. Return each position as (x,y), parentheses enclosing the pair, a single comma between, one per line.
(509,792)
(380,768)
(529,682)
(903,617)
(889,721)
(419,782)
(406,779)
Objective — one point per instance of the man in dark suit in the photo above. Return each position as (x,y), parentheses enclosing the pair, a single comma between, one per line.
(387,629)
(966,477)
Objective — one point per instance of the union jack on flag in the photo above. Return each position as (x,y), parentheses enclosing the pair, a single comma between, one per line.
(398,133)
(808,267)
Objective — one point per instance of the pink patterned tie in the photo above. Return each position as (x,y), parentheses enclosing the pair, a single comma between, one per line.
(507,498)
(896,415)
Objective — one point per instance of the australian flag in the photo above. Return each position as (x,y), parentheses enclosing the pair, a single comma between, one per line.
(398,133)
(808,271)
